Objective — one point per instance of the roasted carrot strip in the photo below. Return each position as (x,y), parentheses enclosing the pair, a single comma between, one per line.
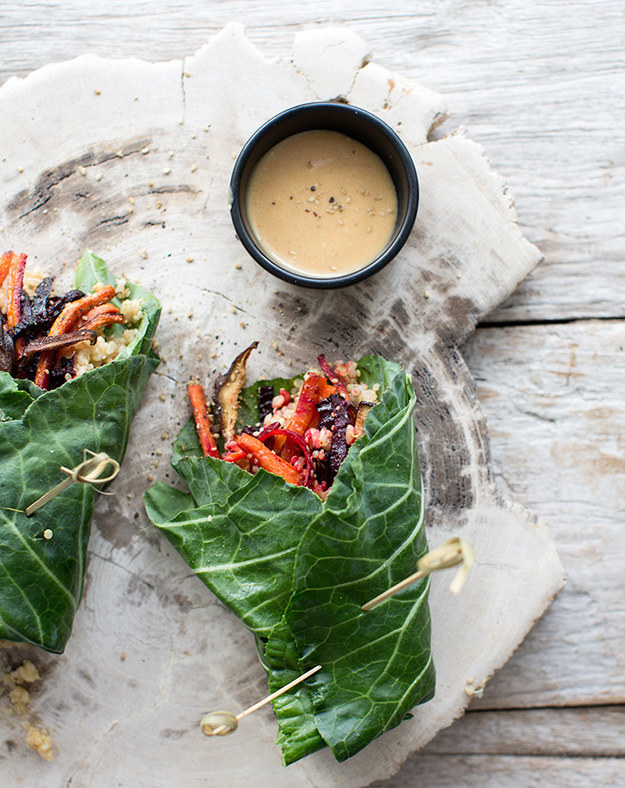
(234,455)
(65,323)
(15,282)
(203,422)
(326,389)
(5,264)
(102,315)
(73,311)
(267,459)
(305,413)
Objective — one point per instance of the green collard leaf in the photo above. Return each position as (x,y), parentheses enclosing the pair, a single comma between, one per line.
(376,665)
(239,543)
(297,571)
(41,579)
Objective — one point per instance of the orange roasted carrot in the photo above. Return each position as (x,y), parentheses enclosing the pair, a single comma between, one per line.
(73,311)
(305,413)
(326,389)
(5,264)
(203,422)
(65,323)
(102,315)
(15,282)
(268,459)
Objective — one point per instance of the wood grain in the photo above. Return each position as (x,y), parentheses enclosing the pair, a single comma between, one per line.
(544,91)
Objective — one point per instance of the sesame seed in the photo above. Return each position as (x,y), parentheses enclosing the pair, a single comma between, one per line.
(131,200)
(170,154)
(193,167)
(238,266)
(242,324)
(426,293)
(120,154)
(167,170)
(189,259)
(98,177)
(143,254)
(47,534)
(82,171)
(97,92)
(145,151)
(20,168)
(233,309)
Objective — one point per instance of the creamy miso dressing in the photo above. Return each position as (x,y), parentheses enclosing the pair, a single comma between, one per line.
(321,203)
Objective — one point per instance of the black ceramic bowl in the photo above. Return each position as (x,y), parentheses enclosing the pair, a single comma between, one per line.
(357,124)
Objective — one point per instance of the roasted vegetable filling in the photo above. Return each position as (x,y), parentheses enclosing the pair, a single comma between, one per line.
(304,430)
(47,338)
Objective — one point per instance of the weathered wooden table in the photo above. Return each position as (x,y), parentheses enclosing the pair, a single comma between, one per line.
(542,88)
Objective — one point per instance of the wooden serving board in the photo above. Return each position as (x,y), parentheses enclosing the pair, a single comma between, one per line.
(133,159)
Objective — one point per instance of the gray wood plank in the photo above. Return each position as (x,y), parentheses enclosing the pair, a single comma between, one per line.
(542,90)
(553,399)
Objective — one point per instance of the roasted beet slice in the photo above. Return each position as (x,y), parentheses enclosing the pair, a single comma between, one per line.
(64,371)
(335,414)
(327,410)
(265,398)
(7,350)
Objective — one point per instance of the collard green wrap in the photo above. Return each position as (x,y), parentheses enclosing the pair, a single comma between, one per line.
(296,571)
(41,579)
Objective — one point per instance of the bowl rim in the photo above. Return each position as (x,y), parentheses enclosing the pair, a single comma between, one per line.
(389,251)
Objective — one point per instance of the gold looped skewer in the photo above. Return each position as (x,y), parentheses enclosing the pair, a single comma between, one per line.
(89,471)
(454,552)
(221,723)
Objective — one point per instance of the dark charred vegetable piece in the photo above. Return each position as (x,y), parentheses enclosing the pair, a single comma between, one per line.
(227,390)
(56,304)
(67,322)
(57,343)
(203,422)
(64,371)
(267,459)
(265,398)
(7,351)
(35,318)
(331,375)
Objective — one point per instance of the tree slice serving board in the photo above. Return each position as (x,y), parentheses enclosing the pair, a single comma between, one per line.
(132,160)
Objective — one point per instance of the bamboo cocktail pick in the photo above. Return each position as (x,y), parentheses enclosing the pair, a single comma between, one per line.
(89,471)
(454,552)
